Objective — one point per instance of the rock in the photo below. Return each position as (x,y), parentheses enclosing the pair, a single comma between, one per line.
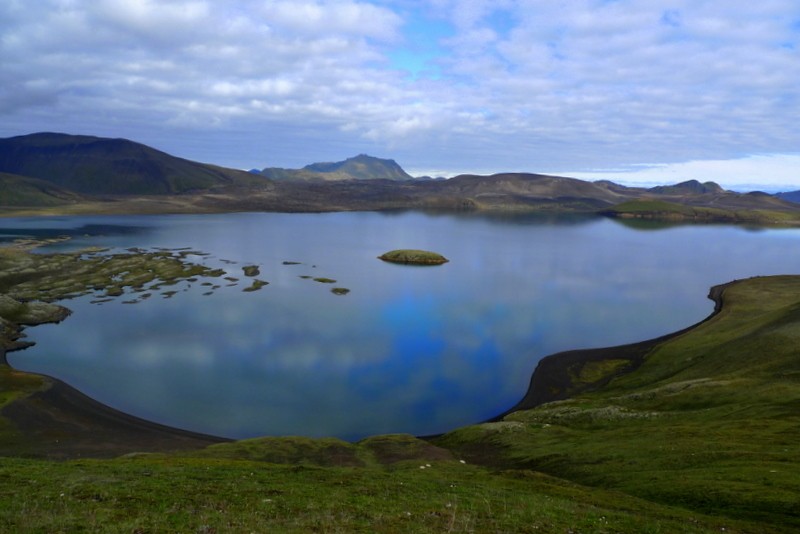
(251,270)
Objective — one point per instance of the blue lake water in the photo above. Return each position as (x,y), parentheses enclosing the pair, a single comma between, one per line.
(409,349)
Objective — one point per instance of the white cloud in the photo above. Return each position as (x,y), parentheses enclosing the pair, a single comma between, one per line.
(772,172)
(318,18)
(529,85)
(152,22)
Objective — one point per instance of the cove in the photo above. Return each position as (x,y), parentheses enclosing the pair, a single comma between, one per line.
(409,349)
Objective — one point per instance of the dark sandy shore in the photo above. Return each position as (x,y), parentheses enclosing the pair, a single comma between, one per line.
(553,379)
(60,422)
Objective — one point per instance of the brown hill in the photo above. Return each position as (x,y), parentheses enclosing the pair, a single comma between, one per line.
(509,189)
(101,166)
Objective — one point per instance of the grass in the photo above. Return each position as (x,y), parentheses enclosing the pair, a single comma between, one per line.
(15,384)
(592,372)
(163,494)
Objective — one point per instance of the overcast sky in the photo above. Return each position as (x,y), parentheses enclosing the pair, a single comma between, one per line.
(630,90)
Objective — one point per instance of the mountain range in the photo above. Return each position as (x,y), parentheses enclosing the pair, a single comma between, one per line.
(85,174)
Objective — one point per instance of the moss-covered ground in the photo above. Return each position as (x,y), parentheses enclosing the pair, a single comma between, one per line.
(30,283)
(169,494)
(672,211)
(413,257)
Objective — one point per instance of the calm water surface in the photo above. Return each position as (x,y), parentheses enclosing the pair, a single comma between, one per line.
(410,349)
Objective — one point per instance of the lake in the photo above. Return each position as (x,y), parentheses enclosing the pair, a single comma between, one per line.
(410,349)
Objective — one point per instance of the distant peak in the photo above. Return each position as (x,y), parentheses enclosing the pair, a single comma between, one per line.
(360,167)
(688,187)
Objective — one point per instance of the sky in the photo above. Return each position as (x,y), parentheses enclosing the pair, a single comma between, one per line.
(635,91)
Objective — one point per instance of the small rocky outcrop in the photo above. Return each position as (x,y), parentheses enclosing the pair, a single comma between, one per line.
(251,270)
(414,257)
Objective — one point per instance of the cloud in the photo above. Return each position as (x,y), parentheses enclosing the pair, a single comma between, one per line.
(147,21)
(349,18)
(769,172)
(451,84)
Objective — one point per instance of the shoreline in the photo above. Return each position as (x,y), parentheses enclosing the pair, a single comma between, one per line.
(58,422)
(553,377)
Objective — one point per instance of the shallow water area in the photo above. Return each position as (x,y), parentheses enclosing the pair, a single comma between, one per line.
(408,349)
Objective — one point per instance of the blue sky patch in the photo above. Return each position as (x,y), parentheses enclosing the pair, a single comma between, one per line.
(421,45)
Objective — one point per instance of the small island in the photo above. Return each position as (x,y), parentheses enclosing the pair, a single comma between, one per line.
(414,257)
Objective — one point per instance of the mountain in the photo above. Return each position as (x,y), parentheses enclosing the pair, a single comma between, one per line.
(791,196)
(101,175)
(361,167)
(690,187)
(102,166)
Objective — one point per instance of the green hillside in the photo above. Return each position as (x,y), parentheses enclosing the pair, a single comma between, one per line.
(740,209)
(101,166)
(22,191)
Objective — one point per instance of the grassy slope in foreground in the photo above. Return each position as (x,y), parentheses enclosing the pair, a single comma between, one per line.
(710,422)
(702,437)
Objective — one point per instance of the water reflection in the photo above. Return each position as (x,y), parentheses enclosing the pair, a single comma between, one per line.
(61,227)
(409,349)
